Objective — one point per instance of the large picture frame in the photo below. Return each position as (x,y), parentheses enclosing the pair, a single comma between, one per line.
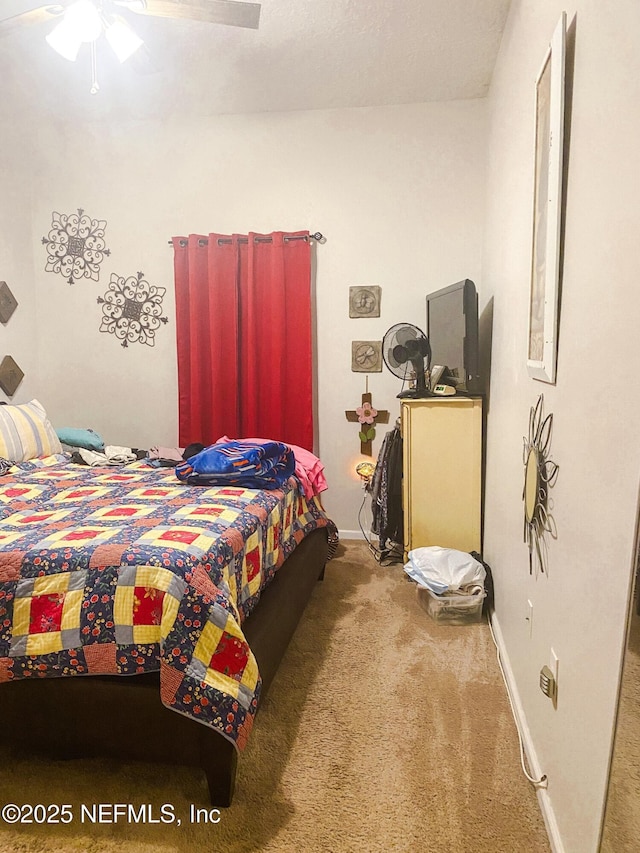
(542,343)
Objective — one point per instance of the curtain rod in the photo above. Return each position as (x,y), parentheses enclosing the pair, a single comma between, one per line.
(318,237)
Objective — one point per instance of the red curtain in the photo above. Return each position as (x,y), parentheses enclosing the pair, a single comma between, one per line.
(243,319)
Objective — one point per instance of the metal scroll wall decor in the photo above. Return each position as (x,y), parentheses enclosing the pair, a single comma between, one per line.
(540,474)
(132,309)
(75,246)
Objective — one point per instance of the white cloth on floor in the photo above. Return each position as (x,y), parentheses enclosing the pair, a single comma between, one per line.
(445,570)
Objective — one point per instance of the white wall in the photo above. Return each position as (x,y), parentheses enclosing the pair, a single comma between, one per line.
(398,192)
(579,607)
(18,335)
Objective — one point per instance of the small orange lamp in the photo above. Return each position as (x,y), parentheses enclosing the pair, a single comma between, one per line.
(365,470)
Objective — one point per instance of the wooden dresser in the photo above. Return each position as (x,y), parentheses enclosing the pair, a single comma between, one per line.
(442,472)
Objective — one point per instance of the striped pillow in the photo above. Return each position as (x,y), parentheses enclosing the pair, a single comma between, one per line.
(26,433)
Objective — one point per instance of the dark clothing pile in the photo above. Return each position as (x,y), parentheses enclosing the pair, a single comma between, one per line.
(386,492)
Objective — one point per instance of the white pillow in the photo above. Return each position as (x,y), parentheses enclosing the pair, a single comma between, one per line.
(26,433)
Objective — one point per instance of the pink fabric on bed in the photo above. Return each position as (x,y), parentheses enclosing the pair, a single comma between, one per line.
(309,469)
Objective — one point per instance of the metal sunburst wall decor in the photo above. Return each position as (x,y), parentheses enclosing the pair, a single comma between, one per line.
(132,309)
(540,474)
(75,246)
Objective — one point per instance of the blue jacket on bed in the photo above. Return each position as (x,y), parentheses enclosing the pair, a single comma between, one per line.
(233,463)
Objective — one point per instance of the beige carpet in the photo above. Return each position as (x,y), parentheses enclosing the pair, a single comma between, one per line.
(383,731)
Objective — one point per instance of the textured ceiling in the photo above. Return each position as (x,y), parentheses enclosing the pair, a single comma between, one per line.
(307,54)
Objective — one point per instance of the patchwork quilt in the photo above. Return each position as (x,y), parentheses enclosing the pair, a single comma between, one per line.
(127,570)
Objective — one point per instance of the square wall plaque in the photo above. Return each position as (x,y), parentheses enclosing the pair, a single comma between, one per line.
(10,376)
(364,301)
(366,356)
(8,302)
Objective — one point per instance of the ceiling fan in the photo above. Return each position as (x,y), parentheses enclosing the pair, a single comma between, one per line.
(84,21)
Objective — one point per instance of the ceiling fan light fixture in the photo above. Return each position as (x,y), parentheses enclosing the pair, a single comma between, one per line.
(123,40)
(64,40)
(81,23)
(84,19)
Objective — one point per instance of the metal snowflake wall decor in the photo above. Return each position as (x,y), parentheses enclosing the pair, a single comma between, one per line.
(540,474)
(132,309)
(75,246)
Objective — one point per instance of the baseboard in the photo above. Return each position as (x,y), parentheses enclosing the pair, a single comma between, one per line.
(544,800)
(351,534)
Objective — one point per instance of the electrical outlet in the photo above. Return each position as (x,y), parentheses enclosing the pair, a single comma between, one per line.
(554,667)
(529,616)
(547,684)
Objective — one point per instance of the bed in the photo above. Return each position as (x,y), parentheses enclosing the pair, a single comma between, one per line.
(175,603)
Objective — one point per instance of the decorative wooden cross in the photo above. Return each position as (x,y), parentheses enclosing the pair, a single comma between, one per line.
(367,431)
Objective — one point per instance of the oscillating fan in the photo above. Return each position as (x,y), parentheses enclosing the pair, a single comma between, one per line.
(407,354)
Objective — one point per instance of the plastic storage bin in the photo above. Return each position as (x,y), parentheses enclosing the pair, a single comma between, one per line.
(451,609)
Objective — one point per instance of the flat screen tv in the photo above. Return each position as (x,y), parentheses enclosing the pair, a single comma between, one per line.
(452,329)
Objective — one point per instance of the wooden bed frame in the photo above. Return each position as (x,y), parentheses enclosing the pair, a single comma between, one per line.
(122,716)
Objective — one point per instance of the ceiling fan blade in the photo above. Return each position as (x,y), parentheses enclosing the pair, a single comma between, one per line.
(232,12)
(33,16)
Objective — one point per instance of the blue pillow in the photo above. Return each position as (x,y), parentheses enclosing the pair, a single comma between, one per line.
(85,438)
